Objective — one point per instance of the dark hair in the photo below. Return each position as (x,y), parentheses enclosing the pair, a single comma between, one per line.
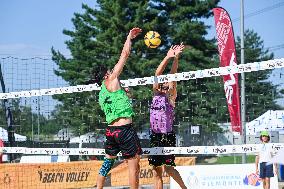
(97,74)
(266,136)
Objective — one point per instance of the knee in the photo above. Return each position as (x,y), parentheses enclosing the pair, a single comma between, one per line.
(106,166)
(171,171)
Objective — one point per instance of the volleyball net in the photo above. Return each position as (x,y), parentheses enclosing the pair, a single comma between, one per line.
(49,113)
(52,119)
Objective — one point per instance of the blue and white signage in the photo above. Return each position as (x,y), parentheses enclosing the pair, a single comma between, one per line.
(230,176)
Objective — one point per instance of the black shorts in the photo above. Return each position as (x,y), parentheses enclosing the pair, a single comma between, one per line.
(122,139)
(266,171)
(162,140)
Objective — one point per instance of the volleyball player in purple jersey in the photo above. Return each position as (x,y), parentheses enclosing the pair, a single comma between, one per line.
(161,121)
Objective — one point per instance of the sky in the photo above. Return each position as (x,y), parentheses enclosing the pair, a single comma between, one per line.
(263,16)
(30,28)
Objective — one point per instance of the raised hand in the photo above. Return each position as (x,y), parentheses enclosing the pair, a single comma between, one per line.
(134,32)
(175,50)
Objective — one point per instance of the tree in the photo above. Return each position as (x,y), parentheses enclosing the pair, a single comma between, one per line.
(261,93)
(98,37)
(26,121)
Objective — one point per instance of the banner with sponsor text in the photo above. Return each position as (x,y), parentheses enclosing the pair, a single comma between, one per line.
(79,174)
(227,55)
(227,176)
(191,150)
(49,175)
(119,175)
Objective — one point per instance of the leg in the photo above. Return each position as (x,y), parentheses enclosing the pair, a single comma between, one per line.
(263,183)
(133,171)
(100,181)
(131,151)
(176,176)
(111,150)
(156,162)
(170,162)
(268,174)
(267,180)
(106,167)
(261,175)
(157,176)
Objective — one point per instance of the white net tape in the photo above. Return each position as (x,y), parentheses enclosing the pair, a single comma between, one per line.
(193,150)
(250,67)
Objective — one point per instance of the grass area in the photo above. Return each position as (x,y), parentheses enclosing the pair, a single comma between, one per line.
(225,160)
(234,159)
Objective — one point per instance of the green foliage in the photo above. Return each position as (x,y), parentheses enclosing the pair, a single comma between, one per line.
(234,159)
(98,37)
(26,121)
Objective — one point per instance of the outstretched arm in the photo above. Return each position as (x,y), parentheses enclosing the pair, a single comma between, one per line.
(173,84)
(125,53)
(178,50)
(173,52)
(175,65)
(163,64)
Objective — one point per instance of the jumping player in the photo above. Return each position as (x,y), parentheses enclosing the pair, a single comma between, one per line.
(161,121)
(120,134)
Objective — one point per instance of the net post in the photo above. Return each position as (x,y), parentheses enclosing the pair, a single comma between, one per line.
(243,100)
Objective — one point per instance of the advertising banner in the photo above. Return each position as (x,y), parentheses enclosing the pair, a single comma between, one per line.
(80,174)
(229,176)
(227,55)
(119,175)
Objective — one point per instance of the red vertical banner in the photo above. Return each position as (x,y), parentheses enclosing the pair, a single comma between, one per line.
(1,152)
(227,55)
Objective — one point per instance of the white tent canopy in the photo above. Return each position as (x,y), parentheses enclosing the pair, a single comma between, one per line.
(279,157)
(272,120)
(4,135)
(87,138)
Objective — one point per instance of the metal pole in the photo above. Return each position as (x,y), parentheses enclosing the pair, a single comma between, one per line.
(243,100)
(8,115)
(38,123)
(32,118)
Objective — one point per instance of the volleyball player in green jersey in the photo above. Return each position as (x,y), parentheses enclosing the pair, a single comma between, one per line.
(120,134)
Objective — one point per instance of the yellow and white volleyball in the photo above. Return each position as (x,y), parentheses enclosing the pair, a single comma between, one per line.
(152,39)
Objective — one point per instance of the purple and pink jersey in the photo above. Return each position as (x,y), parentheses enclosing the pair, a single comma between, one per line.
(161,114)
